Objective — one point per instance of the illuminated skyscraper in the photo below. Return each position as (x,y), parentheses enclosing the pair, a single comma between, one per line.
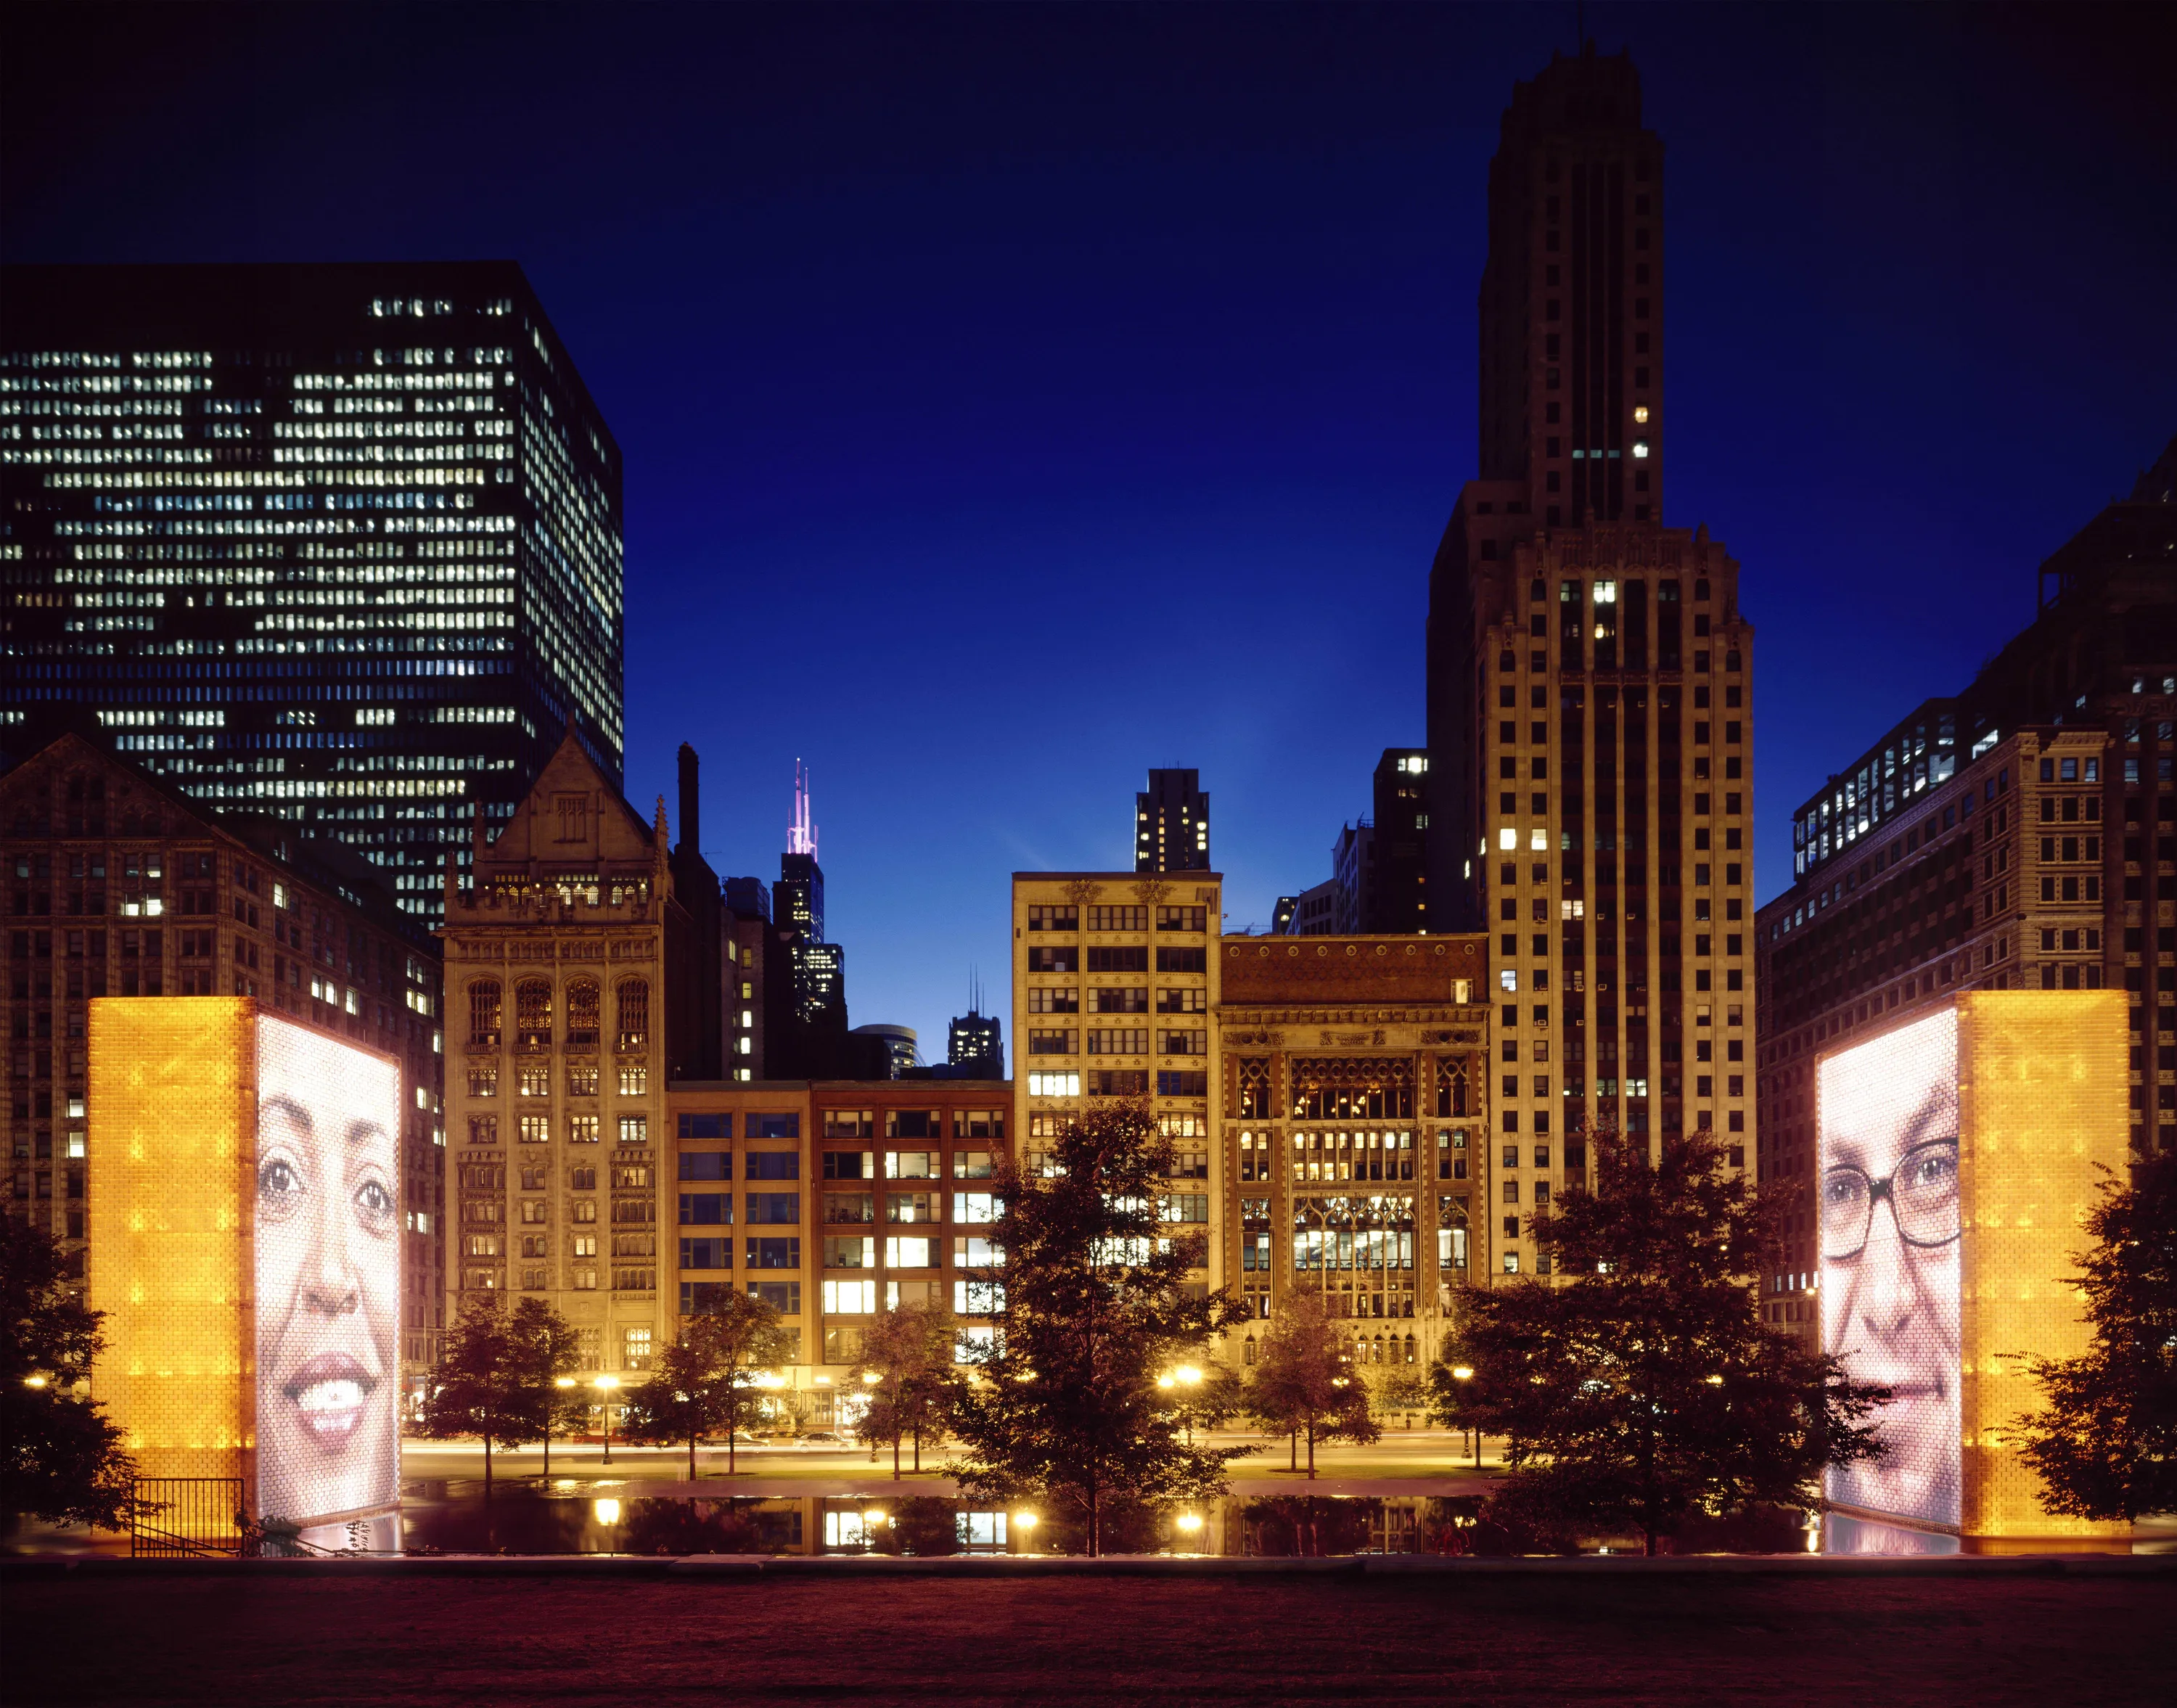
(339,543)
(1589,782)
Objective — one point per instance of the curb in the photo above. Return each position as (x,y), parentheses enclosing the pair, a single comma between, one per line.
(839,1566)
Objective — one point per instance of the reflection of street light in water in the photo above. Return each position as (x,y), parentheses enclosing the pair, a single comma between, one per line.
(605,1385)
(1189,1525)
(1024,1522)
(606,1512)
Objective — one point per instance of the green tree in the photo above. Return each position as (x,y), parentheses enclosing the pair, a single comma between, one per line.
(907,1378)
(485,1385)
(705,1381)
(1643,1386)
(547,1351)
(61,1459)
(1091,1305)
(2106,1444)
(1304,1382)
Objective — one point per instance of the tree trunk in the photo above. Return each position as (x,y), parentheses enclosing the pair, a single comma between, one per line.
(486,1464)
(918,1443)
(1311,1449)
(691,1455)
(1293,1440)
(895,1455)
(547,1451)
(732,1430)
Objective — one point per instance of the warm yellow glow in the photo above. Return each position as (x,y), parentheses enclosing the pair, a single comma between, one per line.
(876,1515)
(1189,1374)
(1640,414)
(563,1382)
(34,1381)
(1024,1520)
(871,1378)
(607,1383)
(171,1160)
(1462,1373)
(1716,1381)
(608,1511)
(1190,1521)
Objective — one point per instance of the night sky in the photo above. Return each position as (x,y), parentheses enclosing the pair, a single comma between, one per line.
(1013,399)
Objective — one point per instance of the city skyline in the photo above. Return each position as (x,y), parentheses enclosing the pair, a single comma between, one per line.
(1336,219)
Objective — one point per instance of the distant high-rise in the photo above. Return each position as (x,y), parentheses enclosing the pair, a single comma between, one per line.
(975,1044)
(892,1049)
(1590,787)
(1171,824)
(1398,884)
(336,542)
(807,1037)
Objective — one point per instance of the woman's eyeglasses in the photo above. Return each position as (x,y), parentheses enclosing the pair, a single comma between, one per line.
(1922,1194)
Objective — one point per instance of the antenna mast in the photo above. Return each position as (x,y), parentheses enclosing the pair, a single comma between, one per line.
(801,834)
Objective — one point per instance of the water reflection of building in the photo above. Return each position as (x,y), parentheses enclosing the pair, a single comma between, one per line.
(1353,1153)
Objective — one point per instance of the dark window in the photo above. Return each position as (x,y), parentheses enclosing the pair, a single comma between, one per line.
(774,1126)
(1132,958)
(701,1209)
(772,1165)
(706,1126)
(707,1165)
(774,1209)
(1181,961)
(706,1254)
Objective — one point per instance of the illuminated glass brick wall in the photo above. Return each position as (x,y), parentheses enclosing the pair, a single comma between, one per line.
(2042,1109)
(171,1158)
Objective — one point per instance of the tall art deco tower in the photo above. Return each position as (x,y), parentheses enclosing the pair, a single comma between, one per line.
(1589,681)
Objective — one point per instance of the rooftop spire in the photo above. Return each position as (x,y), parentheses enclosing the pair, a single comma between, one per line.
(801,834)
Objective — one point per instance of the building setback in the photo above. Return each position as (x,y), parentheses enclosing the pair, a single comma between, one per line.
(336,542)
(1589,674)
(120,886)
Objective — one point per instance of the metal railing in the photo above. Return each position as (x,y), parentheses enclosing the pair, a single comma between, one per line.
(185,1515)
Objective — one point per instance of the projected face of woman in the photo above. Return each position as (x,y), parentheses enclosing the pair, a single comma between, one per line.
(1890,1264)
(328,1277)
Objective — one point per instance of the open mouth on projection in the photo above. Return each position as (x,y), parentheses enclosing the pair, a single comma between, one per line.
(329,1395)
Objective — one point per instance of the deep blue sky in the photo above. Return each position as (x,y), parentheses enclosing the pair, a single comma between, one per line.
(1013,399)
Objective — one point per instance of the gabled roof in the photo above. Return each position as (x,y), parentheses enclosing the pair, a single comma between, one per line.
(573,814)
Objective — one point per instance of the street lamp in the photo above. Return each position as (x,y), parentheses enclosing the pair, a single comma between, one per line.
(1464,1372)
(604,1385)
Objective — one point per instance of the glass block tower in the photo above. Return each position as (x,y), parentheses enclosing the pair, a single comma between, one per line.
(337,543)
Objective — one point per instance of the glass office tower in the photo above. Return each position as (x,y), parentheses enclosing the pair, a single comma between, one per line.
(339,543)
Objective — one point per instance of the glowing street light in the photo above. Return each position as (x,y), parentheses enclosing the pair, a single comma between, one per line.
(605,1385)
(1464,1372)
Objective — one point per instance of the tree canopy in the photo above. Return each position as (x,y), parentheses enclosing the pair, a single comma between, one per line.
(61,1459)
(704,1383)
(1091,1305)
(1643,1386)
(1304,1382)
(496,1378)
(908,1378)
(2106,1442)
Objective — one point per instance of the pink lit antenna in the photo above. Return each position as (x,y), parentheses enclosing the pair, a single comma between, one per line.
(801,834)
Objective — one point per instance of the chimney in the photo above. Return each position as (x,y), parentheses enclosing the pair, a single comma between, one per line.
(691,818)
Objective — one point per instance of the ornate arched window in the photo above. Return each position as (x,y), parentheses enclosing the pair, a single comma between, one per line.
(584,1009)
(484,1019)
(532,1013)
(635,1014)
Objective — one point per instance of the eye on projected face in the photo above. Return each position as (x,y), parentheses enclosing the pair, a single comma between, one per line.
(1889,1215)
(328,1276)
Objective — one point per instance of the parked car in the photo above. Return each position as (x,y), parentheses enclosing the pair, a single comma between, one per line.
(821,1437)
